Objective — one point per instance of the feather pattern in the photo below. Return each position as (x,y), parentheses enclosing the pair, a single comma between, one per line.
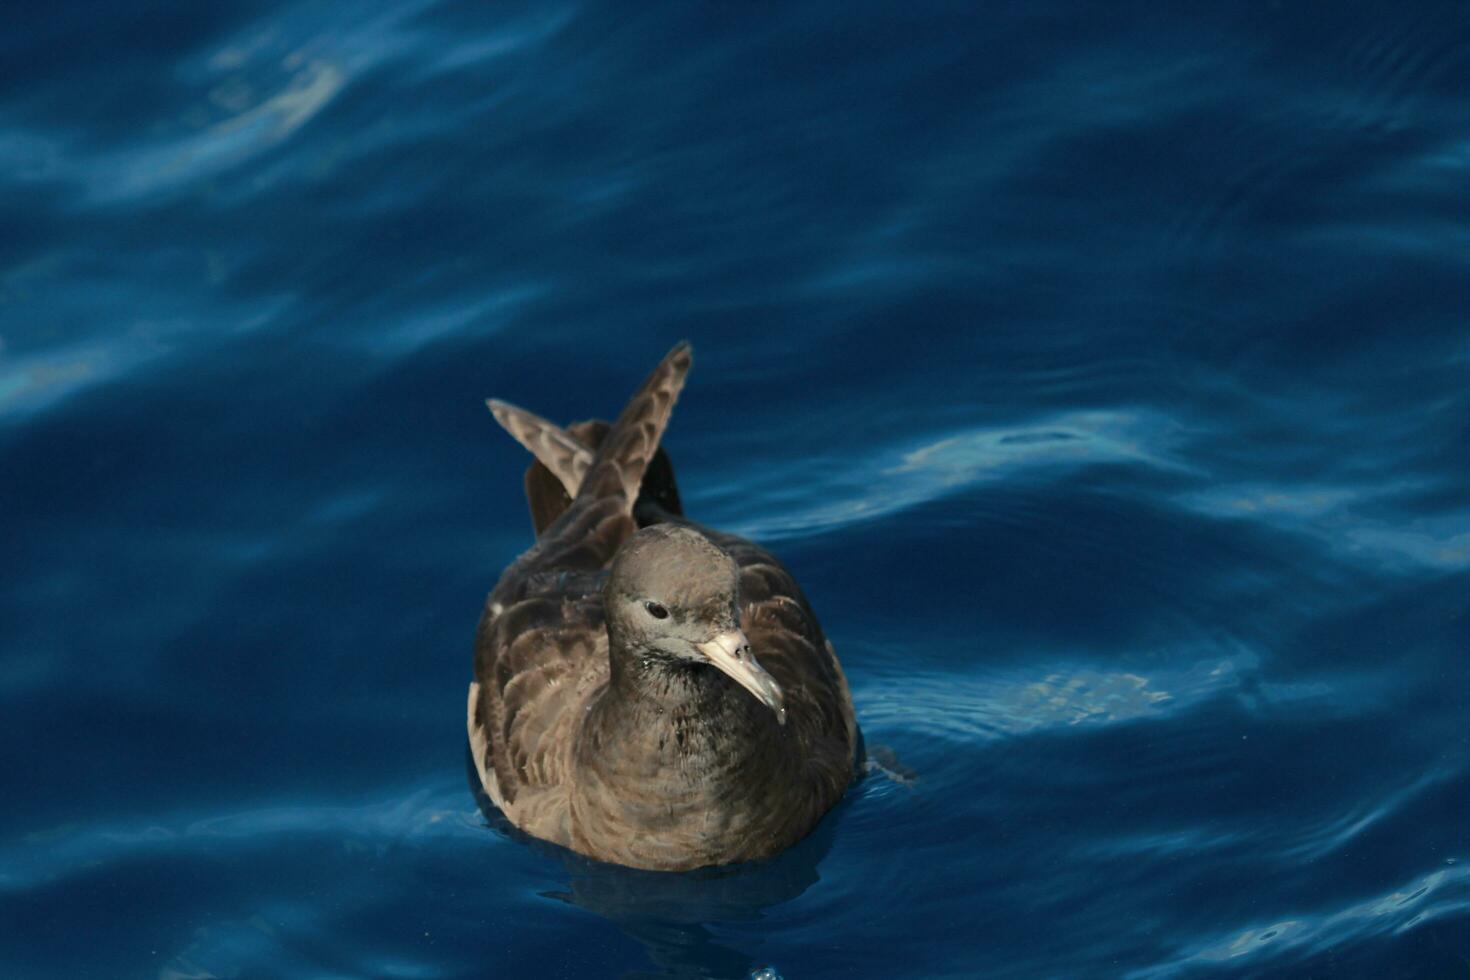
(676,768)
(566,458)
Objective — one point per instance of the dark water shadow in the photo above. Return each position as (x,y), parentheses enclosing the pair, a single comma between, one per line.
(670,913)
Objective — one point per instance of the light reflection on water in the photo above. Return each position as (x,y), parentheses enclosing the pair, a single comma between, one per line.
(1442,892)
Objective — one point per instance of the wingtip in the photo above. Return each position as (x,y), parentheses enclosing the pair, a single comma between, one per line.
(676,364)
(504,414)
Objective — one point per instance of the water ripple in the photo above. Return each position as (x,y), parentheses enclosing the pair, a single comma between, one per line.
(44,857)
(990,704)
(1342,518)
(898,478)
(1098,369)
(1430,896)
(1363,815)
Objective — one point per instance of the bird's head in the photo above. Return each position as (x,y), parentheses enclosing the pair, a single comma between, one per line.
(675,595)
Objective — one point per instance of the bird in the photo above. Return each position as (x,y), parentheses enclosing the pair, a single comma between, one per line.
(650,692)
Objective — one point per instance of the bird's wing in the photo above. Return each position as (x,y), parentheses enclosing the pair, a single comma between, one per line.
(788,642)
(541,648)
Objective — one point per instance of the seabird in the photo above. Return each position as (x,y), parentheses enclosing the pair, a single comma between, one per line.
(650,692)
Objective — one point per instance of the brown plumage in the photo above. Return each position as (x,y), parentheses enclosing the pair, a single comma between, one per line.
(649,692)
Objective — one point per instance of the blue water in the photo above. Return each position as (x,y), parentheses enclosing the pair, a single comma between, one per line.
(1101,370)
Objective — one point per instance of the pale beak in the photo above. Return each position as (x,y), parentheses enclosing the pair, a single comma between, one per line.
(730,652)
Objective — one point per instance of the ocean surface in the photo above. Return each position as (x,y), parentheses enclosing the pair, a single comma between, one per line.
(1100,369)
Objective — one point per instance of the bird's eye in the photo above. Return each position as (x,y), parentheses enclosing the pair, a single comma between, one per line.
(656,611)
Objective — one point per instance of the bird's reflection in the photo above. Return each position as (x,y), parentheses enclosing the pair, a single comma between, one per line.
(669,913)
